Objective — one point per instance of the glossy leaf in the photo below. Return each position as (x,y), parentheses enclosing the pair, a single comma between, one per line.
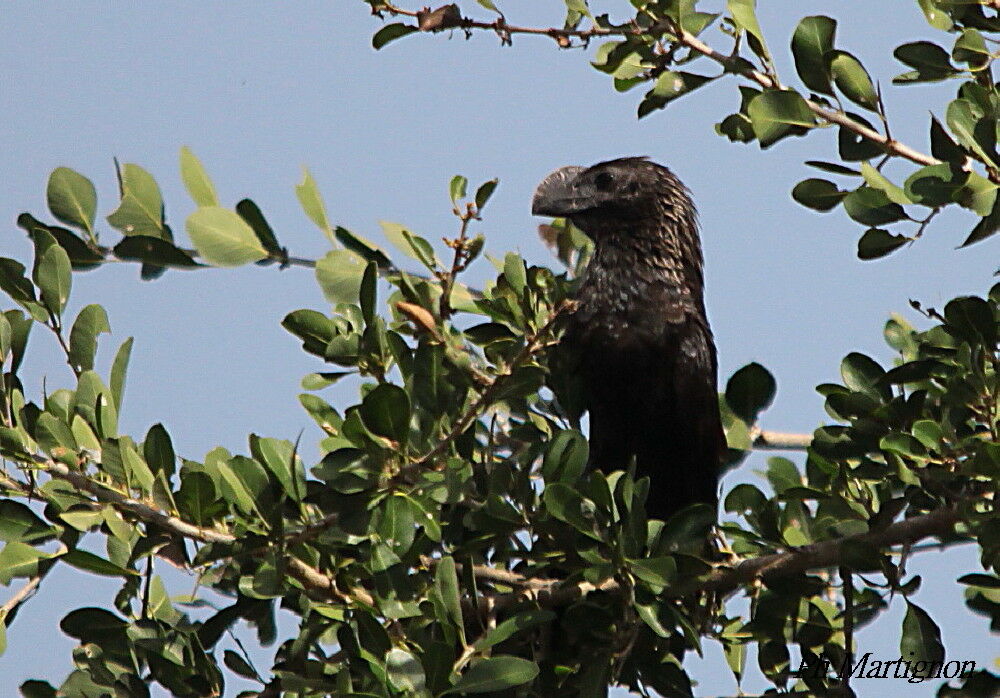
(776,114)
(852,79)
(812,40)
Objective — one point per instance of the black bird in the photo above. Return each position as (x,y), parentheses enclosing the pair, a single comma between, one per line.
(640,335)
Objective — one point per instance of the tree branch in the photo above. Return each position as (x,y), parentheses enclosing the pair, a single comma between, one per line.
(548,592)
(722,579)
(779,441)
(730,63)
(314,581)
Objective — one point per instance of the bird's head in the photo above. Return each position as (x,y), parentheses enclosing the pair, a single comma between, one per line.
(609,194)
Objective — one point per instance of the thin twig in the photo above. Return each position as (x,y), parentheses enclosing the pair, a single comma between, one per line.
(730,63)
(779,441)
(532,344)
(22,595)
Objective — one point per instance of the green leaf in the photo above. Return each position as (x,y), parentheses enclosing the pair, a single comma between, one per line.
(744,13)
(280,458)
(151,250)
(391,32)
(72,198)
(457,188)
(971,318)
(973,133)
(812,40)
(89,562)
(876,180)
(119,369)
(237,664)
(872,207)
(223,238)
(512,626)
(977,193)
(141,209)
(339,274)
(312,203)
(943,146)
(368,292)
(985,581)
(986,227)
(37,689)
(495,673)
(396,525)
(19,523)
(362,247)
(749,391)
(669,86)
(921,638)
(196,180)
(90,322)
(53,275)
(934,185)
(197,498)
(970,48)
(405,672)
(488,4)
(446,589)
(658,571)
(930,62)
(484,192)
(853,147)
(862,374)
(410,244)
(776,114)
(386,411)
(251,213)
(566,504)
(818,194)
(566,457)
(158,450)
(19,560)
(936,17)
(852,79)
(876,243)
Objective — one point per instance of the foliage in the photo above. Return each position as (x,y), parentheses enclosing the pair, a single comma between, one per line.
(887,185)
(450,540)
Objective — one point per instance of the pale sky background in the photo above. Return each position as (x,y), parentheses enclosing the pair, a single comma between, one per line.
(258,89)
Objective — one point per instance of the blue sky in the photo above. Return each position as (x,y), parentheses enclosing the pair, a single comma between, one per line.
(258,90)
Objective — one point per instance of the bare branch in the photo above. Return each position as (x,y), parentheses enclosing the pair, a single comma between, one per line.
(22,595)
(779,441)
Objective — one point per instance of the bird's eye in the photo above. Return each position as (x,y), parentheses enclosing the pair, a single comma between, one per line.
(603,181)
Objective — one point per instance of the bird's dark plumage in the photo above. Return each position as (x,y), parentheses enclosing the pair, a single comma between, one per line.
(640,333)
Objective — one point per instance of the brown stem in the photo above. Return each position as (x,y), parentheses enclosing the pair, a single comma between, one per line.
(532,344)
(683,38)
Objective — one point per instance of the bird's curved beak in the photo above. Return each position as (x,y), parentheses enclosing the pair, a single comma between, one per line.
(556,196)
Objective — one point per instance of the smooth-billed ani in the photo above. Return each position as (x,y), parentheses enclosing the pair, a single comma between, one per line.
(640,336)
